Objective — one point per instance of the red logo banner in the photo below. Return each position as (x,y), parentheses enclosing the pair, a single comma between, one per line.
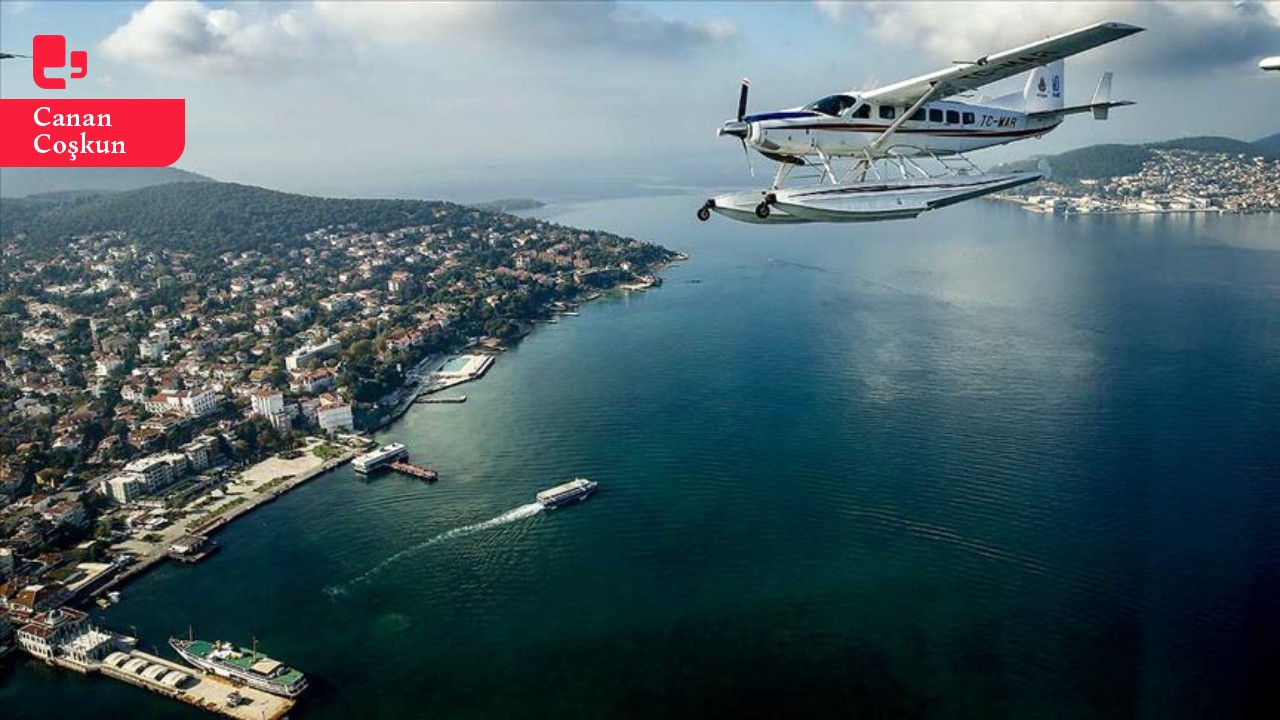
(86,133)
(92,133)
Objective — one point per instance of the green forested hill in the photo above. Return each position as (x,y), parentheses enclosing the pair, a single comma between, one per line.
(1270,143)
(205,218)
(1104,161)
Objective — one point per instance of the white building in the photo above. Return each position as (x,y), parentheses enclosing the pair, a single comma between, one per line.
(126,487)
(144,476)
(333,418)
(66,633)
(192,403)
(150,348)
(267,402)
(304,357)
(159,469)
(200,452)
(197,403)
(311,381)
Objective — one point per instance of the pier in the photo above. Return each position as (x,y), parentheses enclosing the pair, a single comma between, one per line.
(208,691)
(192,548)
(431,400)
(422,473)
(189,685)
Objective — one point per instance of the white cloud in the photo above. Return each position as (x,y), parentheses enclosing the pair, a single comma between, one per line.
(192,34)
(1182,35)
(179,35)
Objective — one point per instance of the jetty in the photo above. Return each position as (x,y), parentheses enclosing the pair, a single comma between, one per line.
(422,473)
(432,400)
(207,692)
(64,637)
(192,548)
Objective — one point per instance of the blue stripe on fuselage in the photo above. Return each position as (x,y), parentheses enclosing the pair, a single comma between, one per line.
(784,115)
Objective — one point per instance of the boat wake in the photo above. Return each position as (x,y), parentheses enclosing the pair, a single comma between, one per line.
(510,516)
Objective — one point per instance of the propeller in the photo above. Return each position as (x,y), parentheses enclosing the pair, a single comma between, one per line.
(739,127)
(742,112)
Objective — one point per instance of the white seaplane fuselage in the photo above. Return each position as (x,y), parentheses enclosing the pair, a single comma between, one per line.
(940,128)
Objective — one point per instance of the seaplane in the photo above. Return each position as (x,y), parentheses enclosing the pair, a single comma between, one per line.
(897,151)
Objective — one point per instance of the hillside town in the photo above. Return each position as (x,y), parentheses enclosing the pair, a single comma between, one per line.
(139,381)
(1170,181)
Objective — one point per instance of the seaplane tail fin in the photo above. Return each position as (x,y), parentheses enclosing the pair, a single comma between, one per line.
(1101,97)
(1044,90)
(1100,106)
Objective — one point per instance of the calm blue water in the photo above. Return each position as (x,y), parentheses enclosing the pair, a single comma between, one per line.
(984,464)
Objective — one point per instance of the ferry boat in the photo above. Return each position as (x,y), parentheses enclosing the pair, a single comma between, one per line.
(379,458)
(575,490)
(248,666)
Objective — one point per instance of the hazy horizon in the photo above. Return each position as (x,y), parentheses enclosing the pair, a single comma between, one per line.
(417,99)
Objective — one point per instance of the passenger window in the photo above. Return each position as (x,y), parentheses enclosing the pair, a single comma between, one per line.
(886,112)
(968,118)
(935,115)
(953,117)
(918,116)
(863,111)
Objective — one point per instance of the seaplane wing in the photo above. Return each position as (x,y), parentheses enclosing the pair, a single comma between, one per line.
(968,76)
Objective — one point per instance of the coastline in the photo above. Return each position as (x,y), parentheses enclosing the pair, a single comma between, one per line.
(1031,207)
(410,391)
(269,490)
(254,494)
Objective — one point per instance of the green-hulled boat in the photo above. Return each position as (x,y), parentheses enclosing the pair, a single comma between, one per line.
(248,666)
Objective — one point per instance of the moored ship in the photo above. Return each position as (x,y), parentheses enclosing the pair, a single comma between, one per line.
(248,666)
(380,458)
(575,490)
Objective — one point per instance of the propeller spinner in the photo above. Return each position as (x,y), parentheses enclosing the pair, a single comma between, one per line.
(738,128)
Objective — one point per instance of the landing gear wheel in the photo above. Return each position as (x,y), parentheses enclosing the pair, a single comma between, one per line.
(762,210)
(704,214)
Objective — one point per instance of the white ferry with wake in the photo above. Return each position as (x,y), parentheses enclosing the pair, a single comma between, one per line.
(575,490)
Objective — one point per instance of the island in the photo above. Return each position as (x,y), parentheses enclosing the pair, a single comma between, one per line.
(1198,174)
(175,355)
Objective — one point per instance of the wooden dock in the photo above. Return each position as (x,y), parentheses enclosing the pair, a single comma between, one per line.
(422,473)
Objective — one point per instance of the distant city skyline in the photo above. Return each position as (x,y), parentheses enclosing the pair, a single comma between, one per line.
(413,99)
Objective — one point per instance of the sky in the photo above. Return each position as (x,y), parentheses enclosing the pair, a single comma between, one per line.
(462,99)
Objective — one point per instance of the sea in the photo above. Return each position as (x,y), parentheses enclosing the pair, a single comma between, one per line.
(982,464)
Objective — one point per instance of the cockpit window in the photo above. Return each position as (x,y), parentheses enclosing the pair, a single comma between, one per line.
(832,105)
